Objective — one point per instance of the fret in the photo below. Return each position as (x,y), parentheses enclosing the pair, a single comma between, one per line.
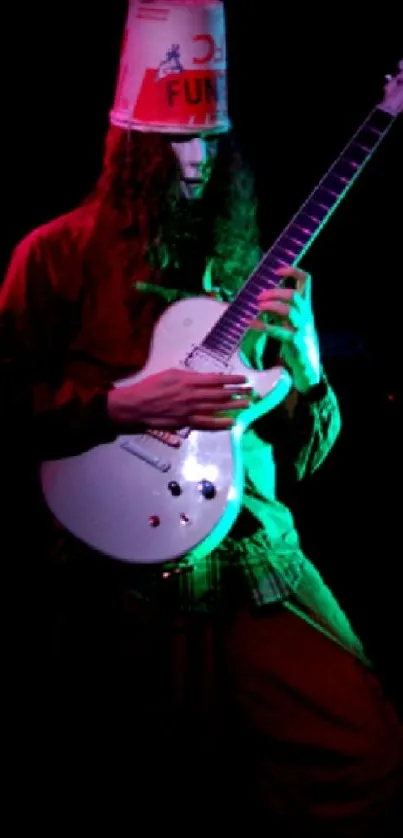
(248,295)
(368,135)
(282,248)
(343,171)
(292,242)
(323,199)
(326,189)
(226,335)
(268,279)
(312,213)
(242,307)
(345,168)
(296,228)
(360,151)
(335,181)
(272,262)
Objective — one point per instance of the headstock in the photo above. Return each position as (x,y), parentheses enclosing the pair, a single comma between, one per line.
(392,101)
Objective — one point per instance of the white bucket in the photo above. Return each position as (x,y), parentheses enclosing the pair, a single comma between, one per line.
(173,68)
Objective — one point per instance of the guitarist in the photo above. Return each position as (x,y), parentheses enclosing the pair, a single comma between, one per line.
(155,676)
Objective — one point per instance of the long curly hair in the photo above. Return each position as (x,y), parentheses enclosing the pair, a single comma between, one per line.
(142,220)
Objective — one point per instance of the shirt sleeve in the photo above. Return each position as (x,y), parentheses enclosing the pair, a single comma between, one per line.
(58,415)
(315,426)
(303,430)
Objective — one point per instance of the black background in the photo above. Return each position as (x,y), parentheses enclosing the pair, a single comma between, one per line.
(300,85)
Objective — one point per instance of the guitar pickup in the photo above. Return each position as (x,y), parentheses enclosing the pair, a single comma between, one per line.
(140,451)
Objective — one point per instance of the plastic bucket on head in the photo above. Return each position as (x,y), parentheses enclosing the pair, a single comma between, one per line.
(173,68)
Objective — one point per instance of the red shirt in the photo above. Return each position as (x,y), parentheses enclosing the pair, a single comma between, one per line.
(71,325)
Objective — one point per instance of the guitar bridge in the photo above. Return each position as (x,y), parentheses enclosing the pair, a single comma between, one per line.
(168,438)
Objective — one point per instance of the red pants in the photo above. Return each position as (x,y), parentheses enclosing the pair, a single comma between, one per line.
(330,748)
(204,723)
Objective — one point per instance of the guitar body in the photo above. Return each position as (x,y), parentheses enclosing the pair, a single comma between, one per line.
(141,498)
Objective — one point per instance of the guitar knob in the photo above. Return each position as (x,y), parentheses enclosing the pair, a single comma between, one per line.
(154,521)
(207,489)
(174,488)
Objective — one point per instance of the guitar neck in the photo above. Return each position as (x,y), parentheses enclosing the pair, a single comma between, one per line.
(300,233)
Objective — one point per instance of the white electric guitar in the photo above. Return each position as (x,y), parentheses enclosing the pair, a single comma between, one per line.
(158,496)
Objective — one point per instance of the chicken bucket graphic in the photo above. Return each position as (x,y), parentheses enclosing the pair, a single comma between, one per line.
(173,70)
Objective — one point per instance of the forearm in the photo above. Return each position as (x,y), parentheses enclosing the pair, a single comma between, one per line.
(59,421)
(70,420)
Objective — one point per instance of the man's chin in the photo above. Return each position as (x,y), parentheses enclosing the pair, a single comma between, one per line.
(192,189)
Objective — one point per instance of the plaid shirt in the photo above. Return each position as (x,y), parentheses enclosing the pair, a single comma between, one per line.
(54,317)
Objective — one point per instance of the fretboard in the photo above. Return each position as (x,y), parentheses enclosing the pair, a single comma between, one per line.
(298,236)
